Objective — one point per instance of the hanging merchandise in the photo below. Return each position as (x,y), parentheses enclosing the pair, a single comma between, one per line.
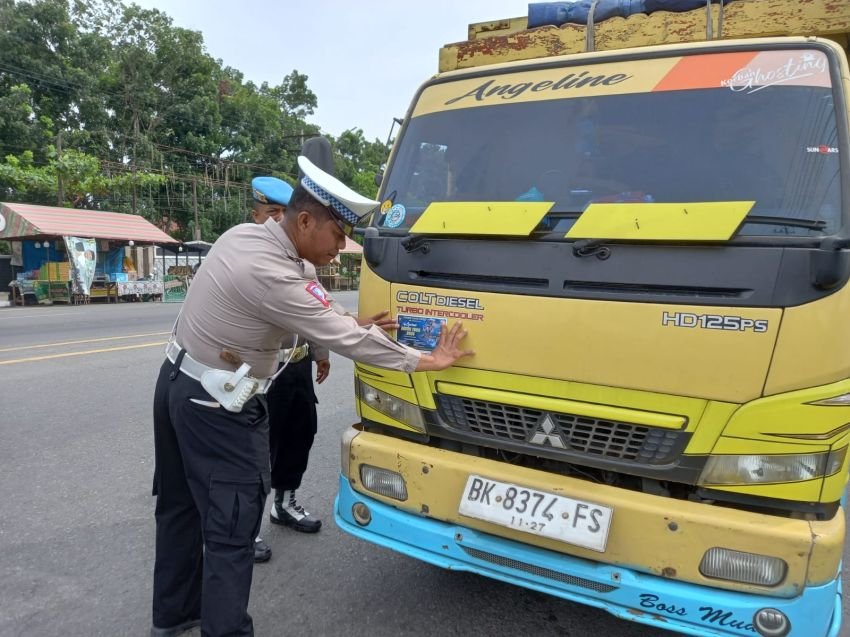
(82,253)
(174,288)
(17,253)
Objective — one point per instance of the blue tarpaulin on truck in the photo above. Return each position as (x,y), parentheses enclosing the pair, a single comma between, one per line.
(576,12)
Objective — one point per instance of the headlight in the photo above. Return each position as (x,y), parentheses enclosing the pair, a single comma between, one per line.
(765,469)
(842,400)
(391,406)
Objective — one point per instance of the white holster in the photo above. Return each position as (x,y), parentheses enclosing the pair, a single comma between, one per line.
(232,389)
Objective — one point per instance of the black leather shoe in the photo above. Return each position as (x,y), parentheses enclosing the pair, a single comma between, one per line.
(287,512)
(262,551)
(179,629)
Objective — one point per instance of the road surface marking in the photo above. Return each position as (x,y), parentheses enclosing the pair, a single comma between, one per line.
(88,340)
(40,314)
(85,353)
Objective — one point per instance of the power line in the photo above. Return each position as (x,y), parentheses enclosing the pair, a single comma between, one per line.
(219,159)
(150,170)
(65,87)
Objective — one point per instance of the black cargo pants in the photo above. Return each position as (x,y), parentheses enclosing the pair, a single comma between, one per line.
(211,480)
(292,423)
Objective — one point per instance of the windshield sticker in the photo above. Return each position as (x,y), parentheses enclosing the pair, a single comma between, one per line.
(744,71)
(419,332)
(822,149)
(386,205)
(806,68)
(395,217)
(508,91)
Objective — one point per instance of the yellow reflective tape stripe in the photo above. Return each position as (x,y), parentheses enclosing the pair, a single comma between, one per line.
(691,221)
(499,218)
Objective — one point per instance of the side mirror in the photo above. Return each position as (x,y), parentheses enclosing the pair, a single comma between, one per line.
(830,266)
(374,246)
(379,177)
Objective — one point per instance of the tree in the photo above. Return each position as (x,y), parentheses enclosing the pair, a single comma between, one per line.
(358,161)
(148,122)
(84,183)
(20,126)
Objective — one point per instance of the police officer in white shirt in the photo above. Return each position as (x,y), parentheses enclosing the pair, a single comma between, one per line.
(257,289)
(291,398)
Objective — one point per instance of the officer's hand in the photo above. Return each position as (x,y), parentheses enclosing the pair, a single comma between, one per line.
(381,319)
(323,368)
(448,350)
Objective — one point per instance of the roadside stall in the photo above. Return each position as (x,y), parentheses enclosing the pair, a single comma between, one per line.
(179,268)
(66,255)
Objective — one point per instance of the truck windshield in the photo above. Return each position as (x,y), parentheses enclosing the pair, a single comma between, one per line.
(764,132)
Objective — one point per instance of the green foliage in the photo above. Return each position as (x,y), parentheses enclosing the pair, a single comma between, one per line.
(81,176)
(358,161)
(130,113)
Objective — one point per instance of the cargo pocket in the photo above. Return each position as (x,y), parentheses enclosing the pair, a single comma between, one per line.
(235,509)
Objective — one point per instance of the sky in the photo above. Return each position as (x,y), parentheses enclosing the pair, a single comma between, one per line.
(364,59)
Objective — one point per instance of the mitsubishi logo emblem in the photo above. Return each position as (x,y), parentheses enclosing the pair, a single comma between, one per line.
(546,432)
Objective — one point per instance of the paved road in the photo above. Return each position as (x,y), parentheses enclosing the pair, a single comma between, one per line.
(76,529)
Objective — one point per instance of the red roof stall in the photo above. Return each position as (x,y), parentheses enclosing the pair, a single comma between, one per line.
(26,221)
(43,259)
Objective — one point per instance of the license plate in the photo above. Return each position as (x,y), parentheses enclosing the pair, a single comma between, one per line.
(538,512)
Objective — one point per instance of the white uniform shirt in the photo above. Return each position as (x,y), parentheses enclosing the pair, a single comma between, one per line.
(254,293)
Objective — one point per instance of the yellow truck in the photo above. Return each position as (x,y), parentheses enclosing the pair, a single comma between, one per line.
(643,224)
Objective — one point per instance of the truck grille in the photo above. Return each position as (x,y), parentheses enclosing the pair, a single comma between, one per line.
(578,434)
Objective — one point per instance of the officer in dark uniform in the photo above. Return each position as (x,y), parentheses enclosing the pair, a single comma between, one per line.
(293,395)
(291,398)
(256,290)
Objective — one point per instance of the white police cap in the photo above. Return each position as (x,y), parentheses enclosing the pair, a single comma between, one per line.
(347,204)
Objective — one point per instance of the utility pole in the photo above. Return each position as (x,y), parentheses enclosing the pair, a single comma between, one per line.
(60,189)
(135,137)
(197,231)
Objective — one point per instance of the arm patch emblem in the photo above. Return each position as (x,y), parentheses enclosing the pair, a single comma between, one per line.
(318,292)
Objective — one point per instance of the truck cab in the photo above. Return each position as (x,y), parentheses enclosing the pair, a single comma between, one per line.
(648,244)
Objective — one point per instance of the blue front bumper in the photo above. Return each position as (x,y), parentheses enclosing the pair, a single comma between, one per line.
(625,593)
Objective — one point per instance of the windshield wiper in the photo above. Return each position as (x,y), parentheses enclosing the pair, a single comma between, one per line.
(811,224)
(564,214)
(591,248)
(595,247)
(416,243)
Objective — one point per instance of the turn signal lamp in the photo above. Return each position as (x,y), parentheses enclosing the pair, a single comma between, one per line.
(745,568)
(383,482)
